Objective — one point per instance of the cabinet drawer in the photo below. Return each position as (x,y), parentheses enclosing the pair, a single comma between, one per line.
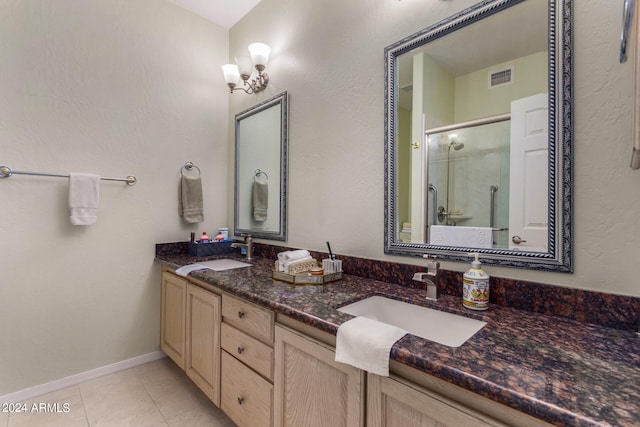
(248,350)
(247,398)
(249,318)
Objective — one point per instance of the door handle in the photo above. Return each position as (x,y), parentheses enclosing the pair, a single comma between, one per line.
(517,240)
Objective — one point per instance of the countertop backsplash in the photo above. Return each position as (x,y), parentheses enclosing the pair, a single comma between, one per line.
(599,308)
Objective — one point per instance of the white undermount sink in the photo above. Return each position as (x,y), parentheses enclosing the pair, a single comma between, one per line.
(223,264)
(445,328)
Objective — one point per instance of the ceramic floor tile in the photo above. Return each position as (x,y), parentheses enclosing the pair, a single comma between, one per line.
(156,394)
(62,408)
(171,390)
(179,400)
(119,399)
(205,416)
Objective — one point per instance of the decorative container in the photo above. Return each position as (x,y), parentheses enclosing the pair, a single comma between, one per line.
(209,249)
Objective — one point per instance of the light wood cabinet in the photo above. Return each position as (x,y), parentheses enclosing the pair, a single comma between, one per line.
(173,318)
(311,389)
(248,350)
(394,402)
(247,362)
(250,318)
(247,398)
(190,332)
(202,363)
(226,346)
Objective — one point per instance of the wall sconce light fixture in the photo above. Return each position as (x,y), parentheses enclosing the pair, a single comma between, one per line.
(244,68)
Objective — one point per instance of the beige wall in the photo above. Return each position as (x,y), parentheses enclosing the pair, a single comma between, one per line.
(329,56)
(114,88)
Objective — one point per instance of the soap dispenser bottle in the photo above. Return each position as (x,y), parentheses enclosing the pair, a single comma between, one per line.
(475,287)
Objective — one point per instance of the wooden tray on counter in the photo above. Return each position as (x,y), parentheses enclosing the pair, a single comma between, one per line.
(306,278)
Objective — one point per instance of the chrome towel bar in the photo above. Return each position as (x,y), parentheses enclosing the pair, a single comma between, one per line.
(6,172)
(627,24)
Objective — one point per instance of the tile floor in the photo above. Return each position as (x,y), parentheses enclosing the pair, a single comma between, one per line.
(154,394)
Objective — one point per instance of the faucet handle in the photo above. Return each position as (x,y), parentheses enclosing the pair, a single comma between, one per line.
(433,265)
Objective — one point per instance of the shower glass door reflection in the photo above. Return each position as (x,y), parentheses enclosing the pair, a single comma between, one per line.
(468,170)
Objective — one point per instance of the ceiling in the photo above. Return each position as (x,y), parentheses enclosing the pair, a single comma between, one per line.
(222,12)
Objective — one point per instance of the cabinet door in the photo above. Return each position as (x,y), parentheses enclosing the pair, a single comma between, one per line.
(203,341)
(393,403)
(311,388)
(172,318)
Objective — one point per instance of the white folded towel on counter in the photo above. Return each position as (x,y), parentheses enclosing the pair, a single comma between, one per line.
(290,264)
(287,257)
(366,344)
(84,193)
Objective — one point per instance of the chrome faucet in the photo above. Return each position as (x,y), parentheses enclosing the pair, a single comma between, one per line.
(431,277)
(248,245)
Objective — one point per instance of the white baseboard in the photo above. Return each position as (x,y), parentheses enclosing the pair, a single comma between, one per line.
(30,393)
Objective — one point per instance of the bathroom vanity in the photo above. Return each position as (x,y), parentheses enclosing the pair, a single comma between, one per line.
(269,349)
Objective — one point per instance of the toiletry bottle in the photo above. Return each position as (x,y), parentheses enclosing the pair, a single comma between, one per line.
(204,238)
(219,237)
(475,287)
(224,231)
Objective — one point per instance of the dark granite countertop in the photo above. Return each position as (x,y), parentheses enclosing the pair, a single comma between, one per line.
(559,370)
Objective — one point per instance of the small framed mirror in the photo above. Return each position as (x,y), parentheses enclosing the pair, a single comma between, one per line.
(261,170)
(479,136)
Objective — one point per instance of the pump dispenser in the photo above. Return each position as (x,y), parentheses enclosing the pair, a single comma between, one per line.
(475,286)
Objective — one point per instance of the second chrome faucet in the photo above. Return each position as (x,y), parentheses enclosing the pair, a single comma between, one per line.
(247,245)
(431,277)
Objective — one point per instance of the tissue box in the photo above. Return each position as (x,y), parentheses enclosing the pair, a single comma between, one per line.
(209,249)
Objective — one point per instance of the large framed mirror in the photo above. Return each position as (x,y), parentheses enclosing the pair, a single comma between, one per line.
(479,136)
(261,170)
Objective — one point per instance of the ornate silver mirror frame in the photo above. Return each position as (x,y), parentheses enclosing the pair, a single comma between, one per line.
(261,170)
(558,255)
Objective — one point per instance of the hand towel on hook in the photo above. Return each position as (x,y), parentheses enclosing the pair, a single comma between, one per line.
(191,205)
(260,197)
(84,194)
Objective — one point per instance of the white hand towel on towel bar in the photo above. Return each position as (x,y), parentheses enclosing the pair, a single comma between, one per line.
(84,193)
(366,343)
(475,237)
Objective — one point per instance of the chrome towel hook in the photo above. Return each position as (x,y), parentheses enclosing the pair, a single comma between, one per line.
(190,166)
(259,172)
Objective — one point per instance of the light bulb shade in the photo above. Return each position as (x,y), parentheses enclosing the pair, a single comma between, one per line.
(231,73)
(245,66)
(259,54)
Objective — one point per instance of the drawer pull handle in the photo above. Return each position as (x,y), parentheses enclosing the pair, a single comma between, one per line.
(240,400)
(240,350)
(241,314)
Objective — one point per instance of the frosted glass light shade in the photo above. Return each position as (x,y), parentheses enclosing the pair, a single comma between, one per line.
(231,73)
(245,66)
(259,53)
